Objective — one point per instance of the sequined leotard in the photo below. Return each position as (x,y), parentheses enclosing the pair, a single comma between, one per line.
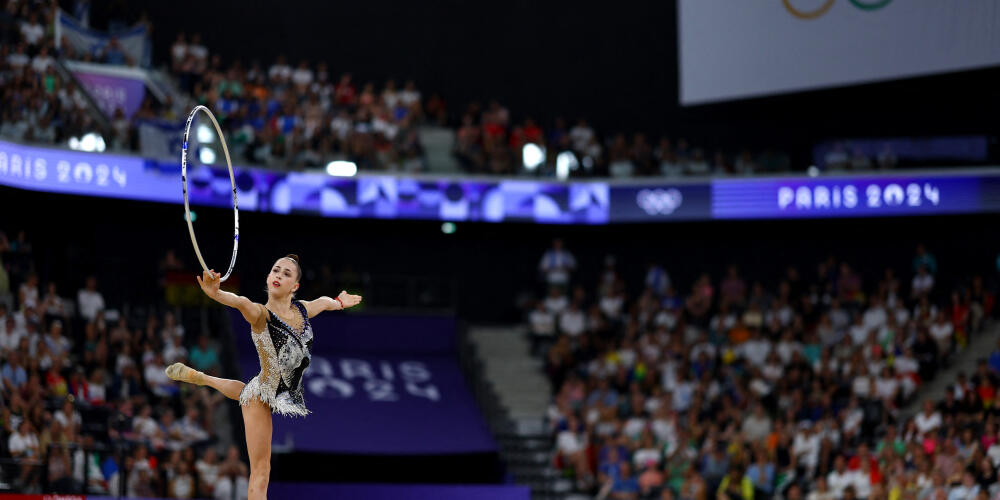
(284,355)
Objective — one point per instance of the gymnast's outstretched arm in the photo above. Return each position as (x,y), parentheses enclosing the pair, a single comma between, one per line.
(252,312)
(324,303)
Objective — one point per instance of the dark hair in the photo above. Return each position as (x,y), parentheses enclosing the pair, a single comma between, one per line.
(295,258)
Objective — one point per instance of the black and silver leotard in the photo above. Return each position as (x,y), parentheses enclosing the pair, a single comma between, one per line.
(284,355)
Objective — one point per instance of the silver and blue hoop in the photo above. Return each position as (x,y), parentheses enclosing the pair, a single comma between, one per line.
(232,180)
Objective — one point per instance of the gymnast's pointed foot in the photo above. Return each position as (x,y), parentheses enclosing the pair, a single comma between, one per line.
(183,373)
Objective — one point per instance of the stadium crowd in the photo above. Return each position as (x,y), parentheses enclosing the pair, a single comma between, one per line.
(788,387)
(295,114)
(85,402)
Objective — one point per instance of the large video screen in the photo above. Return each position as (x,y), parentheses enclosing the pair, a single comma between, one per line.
(730,50)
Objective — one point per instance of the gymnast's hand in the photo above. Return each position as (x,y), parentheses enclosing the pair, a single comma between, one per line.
(209,281)
(349,300)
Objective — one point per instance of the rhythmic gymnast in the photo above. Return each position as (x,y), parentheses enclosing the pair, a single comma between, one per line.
(280,329)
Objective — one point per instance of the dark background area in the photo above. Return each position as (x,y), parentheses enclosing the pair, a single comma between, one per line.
(484,267)
(548,59)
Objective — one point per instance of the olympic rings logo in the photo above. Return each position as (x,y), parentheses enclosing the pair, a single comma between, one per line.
(659,201)
(869,5)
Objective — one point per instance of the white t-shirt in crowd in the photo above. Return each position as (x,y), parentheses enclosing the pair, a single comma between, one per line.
(279,72)
(703,347)
(145,426)
(922,284)
(755,351)
(926,422)
(859,334)
(839,481)
(32,33)
(962,492)
(409,97)
(89,303)
(41,63)
(772,371)
(852,421)
(224,486)
(198,51)
(941,331)
(20,442)
(634,426)
(994,453)
(178,51)
(556,304)
(155,375)
(572,323)
(173,353)
(569,442)
(786,349)
(65,421)
(683,393)
(30,294)
(643,456)
(886,387)
(906,365)
(861,385)
(806,447)
(902,315)
(611,305)
(627,357)
(17,60)
(302,76)
(542,322)
(875,317)
(207,472)
(580,135)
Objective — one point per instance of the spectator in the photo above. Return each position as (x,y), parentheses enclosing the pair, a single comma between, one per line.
(89,300)
(625,486)
(923,282)
(925,259)
(178,53)
(929,420)
(966,490)
(23,447)
(27,294)
(198,53)
(113,54)
(175,352)
(57,344)
(52,305)
(557,264)
(942,331)
(208,471)
(32,31)
(762,472)
(204,357)
(572,321)
(182,485)
(657,279)
(232,477)
(14,375)
(735,485)
(542,327)
(157,379)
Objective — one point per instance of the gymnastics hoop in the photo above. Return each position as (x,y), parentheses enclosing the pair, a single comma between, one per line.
(232,180)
